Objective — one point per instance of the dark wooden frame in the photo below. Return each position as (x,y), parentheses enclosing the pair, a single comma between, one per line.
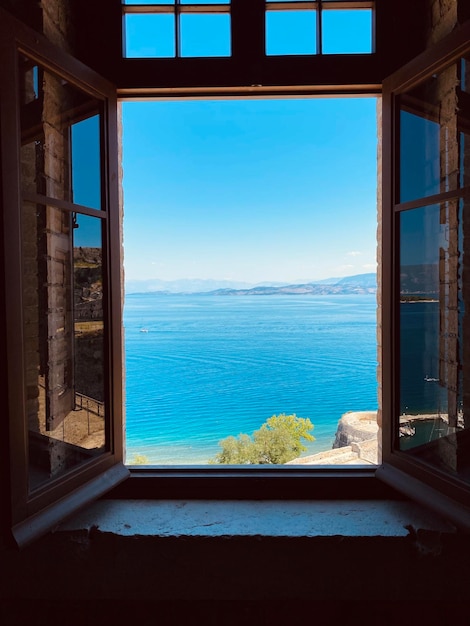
(247,73)
(416,479)
(177,9)
(249,69)
(33,513)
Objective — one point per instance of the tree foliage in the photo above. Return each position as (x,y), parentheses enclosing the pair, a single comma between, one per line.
(280,439)
(139,459)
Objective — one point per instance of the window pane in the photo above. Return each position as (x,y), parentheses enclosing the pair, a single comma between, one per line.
(419,150)
(63,340)
(60,132)
(430,116)
(347,31)
(204,1)
(205,35)
(29,80)
(86,159)
(434,386)
(148,35)
(290,32)
(149,2)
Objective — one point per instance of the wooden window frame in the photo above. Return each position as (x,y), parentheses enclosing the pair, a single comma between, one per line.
(192,78)
(177,9)
(33,512)
(421,482)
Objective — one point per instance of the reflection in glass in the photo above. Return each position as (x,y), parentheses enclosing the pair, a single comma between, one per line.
(434,390)
(419,156)
(29,80)
(85,157)
(432,116)
(60,138)
(63,340)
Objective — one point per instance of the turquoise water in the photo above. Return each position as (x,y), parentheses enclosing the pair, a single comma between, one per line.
(206,367)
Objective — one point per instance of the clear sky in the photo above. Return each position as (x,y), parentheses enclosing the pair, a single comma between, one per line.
(250,190)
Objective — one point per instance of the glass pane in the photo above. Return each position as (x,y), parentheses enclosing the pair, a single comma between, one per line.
(60,133)
(150,36)
(430,116)
(29,80)
(434,388)
(347,31)
(290,32)
(149,2)
(86,156)
(63,340)
(465,75)
(205,35)
(204,1)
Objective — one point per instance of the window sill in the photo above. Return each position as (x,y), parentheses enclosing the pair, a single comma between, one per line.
(274,518)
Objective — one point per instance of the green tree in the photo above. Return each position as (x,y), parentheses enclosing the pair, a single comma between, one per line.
(280,439)
(138,459)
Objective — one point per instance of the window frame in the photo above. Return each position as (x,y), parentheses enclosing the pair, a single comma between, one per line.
(31,513)
(186,78)
(177,9)
(419,481)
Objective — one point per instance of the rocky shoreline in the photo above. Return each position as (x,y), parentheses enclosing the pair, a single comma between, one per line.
(355,442)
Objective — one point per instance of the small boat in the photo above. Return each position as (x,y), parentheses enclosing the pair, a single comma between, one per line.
(144,330)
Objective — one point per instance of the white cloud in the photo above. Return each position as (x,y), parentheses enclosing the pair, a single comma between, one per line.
(369,266)
(354,253)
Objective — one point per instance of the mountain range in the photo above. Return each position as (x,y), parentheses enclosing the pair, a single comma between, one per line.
(358,284)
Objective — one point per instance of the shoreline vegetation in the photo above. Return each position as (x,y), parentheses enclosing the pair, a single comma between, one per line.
(279,441)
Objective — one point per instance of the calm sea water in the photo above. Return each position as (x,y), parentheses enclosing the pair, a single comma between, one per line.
(211,366)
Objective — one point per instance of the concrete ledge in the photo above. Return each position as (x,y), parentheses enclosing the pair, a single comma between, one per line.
(238,562)
(206,518)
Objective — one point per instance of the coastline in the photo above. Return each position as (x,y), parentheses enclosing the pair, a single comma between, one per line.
(185,454)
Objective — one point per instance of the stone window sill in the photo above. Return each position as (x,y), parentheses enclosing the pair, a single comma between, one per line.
(205,518)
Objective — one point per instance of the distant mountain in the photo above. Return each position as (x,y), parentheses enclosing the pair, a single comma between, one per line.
(359,284)
(314,289)
(362,280)
(183,285)
(420,280)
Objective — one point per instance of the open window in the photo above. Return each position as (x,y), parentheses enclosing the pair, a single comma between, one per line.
(426,187)
(61,264)
(62,312)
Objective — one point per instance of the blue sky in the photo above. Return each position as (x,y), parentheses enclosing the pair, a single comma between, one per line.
(250,190)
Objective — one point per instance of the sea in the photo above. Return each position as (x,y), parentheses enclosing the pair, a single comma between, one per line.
(202,367)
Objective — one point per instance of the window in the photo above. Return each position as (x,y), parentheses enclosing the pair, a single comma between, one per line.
(250,286)
(177,28)
(326,27)
(435,474)
(425,351)
(63,321)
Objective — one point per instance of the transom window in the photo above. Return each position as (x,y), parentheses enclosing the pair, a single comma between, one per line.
(178,28)
(203,28)
(319,27)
